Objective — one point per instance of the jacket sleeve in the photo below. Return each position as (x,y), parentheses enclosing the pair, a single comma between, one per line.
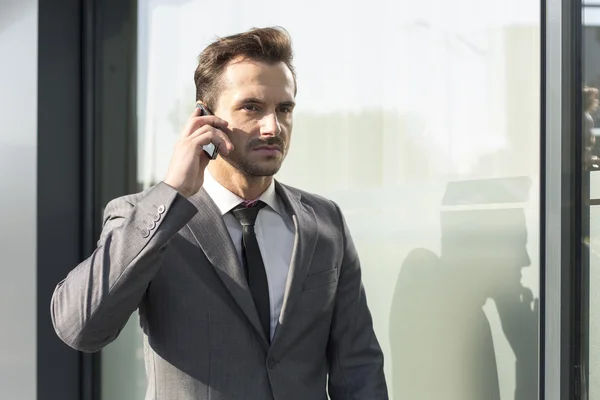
(90,307)
(353,352)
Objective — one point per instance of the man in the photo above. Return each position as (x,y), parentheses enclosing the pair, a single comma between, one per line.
(246,288)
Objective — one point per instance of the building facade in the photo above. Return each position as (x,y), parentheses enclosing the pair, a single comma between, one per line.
(451,133)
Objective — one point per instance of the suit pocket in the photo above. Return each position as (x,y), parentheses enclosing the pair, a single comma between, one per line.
(321,279)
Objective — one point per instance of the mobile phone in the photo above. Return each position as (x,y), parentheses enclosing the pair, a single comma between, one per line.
(210,149)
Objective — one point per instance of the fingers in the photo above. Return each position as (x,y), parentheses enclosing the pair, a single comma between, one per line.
(209,134)
(195,113)
(203,163)
(211,120)
(190,122)
(196,121)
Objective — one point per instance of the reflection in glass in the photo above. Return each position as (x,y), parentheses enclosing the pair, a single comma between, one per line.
(589,293)
(589,103)
(438,319)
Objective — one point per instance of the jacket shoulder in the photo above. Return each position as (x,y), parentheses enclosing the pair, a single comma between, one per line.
(125,203)
(319,203)
(132,198)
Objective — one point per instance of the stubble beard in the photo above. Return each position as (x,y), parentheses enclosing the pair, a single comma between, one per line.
(254,169)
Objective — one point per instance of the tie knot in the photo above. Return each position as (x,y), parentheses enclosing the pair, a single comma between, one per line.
(247,212)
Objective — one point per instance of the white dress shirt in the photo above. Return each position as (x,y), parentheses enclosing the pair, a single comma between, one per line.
(275,234)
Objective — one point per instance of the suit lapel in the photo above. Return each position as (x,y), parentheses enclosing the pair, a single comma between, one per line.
(210,232)
(306,237)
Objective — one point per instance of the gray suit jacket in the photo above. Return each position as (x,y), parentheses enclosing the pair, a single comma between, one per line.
(173,259)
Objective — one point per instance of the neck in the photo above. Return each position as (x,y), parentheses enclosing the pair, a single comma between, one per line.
(246,187)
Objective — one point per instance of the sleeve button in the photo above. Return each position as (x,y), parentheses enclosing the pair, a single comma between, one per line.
(161,209)
(145,233)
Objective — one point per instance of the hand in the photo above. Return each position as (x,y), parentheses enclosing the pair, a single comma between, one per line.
(186,170)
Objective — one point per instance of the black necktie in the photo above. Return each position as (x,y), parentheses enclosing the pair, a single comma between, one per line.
(255,268)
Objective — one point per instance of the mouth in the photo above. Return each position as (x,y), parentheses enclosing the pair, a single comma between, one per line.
(268,150)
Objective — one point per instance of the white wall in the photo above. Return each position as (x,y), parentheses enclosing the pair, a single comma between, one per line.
(18,197)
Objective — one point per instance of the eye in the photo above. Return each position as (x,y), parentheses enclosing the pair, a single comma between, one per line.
(250,107)
(285,109)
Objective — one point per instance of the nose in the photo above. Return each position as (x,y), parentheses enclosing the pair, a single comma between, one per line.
(270,125)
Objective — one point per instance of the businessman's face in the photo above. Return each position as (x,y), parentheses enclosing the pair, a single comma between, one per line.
(257,99)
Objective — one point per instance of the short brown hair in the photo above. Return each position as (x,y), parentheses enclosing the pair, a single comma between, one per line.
(269,45)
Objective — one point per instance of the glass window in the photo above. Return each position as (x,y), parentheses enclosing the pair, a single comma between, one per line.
(18,205)
(421,120)
(590,277)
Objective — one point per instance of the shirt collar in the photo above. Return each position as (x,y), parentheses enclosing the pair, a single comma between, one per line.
(226,200)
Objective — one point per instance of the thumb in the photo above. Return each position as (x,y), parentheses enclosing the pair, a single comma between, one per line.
(203,162)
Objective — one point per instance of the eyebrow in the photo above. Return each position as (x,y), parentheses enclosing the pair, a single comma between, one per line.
(253,100)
